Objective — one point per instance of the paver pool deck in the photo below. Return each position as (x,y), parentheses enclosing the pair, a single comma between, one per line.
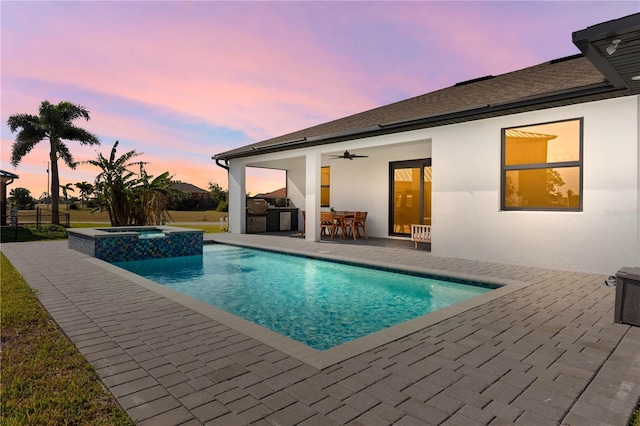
(543,350)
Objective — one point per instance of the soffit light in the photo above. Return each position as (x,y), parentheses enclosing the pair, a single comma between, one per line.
(611,49)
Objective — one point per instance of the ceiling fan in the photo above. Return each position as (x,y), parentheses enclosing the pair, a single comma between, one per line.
(349,156)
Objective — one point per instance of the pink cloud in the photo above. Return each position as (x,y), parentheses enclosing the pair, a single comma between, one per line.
(263,69)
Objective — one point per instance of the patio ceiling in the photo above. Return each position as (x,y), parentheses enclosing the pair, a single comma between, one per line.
(621,66)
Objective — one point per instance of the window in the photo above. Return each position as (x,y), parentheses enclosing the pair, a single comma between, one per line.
(542,166)
(325,186)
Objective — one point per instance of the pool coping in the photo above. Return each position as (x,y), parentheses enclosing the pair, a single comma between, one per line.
(99,232)
(329,357)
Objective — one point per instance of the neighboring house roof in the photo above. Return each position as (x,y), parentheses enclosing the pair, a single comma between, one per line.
(187,187)
(512,133)
(559,82)
(278,193)
(9,175)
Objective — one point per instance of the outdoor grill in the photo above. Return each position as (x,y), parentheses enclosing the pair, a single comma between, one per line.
(257,210)
(257,206)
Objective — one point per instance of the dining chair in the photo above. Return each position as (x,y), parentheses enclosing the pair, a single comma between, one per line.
(327,224)
(361,220)
(354,223)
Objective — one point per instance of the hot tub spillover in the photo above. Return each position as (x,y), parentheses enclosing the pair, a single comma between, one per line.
(120,244)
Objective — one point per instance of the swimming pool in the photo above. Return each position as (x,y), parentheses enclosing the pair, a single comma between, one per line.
(319,303)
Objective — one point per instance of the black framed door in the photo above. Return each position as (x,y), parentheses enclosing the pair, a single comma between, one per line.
(409,195)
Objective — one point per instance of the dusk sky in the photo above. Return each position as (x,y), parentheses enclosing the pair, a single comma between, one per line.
(183,81)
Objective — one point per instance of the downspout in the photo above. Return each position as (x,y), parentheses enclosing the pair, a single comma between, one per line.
(226,167)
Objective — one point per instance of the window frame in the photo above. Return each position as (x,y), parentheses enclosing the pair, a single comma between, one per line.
(537,166)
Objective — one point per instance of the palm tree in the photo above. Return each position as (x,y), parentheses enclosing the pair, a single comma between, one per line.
(85,189)
(130,199)
(114,185)
(65,193)
(54,123)
(152,195)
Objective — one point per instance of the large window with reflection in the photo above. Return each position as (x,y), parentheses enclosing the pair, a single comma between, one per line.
(542,166)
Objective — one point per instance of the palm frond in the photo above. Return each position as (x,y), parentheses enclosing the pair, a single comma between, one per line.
(23,121)
(65,154)
(78,134)
(69,112)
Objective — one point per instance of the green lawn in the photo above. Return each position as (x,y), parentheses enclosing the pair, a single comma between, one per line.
(32,233)
(56,232)
(45,380)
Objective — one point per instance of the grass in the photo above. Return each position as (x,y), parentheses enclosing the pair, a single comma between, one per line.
(86,219)
(635,417)
(45,380)
(32,233)
(86,215)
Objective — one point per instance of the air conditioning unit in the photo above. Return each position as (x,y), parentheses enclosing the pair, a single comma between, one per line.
(627,308)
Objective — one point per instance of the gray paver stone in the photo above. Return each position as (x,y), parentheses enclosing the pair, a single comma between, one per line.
(369,419)
(327,405)
(153,408)
(209,411)
(278,401)
(138,398)
(196,399)
(425,412)
(254,413)
(291,415)
(344,414)
(176,416)
(306,393)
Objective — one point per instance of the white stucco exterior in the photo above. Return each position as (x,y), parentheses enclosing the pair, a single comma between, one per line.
(602,238)
(466,162)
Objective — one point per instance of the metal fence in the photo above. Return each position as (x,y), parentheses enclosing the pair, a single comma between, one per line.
(39,217)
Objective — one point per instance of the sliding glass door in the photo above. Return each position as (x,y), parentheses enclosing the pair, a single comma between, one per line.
(410,195)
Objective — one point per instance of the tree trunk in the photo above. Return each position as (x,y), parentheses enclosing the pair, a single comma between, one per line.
(55,187)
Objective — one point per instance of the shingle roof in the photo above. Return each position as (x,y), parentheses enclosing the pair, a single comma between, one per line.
(541,82)
(575,79)
(187,187)
(278,193)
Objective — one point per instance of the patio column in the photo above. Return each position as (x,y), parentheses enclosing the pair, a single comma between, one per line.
(312,199)
(237,198)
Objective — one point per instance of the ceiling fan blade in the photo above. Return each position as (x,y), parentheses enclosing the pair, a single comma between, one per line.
(348,156)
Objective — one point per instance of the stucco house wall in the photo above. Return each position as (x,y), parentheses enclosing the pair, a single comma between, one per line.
(466,159)
(468,222)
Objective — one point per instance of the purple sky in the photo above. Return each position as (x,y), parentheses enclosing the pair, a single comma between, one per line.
(182,81)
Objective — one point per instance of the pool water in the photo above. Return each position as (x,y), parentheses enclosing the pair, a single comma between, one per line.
(319,303)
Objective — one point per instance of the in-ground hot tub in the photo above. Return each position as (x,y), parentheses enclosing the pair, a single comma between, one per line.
(124,243)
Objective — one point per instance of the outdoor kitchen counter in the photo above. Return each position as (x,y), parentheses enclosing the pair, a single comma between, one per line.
(276,219)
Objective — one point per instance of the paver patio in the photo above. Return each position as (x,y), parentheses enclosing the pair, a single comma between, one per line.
(545,352)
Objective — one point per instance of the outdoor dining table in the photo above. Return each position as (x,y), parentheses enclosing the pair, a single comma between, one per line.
(339,217)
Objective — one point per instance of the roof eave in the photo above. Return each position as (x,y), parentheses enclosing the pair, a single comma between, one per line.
(617,67)
(603,90)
